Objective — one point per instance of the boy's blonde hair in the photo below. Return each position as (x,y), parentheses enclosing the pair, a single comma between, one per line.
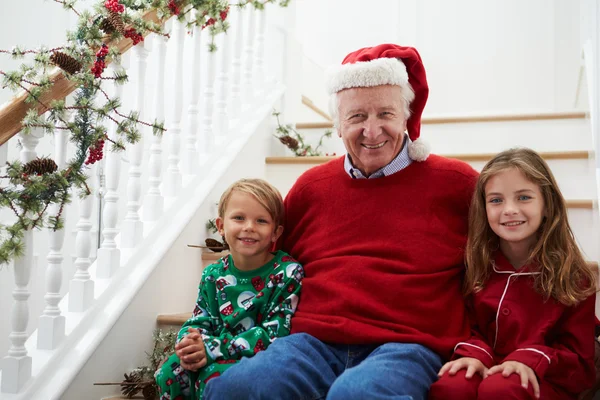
(565,276)
(265,193)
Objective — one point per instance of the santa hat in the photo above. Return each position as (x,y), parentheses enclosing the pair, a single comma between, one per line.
(388,64)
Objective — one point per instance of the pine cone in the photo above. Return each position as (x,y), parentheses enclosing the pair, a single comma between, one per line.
(40,166)
(112,22)
(215,245)
(131,385)
(65,62)
(289,142)
(150,392)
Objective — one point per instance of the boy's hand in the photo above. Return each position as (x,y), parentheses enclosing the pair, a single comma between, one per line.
(472,366)
(190,351)
(514,367)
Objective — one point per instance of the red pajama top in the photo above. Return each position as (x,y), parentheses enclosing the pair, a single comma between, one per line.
(383,257)
(514,323)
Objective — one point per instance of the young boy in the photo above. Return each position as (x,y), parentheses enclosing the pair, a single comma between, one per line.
(245,300)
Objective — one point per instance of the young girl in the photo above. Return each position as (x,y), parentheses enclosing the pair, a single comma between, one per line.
(245,300)
(532,293)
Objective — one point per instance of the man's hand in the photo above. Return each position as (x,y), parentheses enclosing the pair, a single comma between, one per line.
(472,366)
(514,367)
(190,351)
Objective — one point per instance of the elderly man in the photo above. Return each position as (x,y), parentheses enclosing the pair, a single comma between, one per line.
(381,233)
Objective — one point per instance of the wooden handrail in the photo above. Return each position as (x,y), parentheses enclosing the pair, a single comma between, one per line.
(12,113)
(464,120)
(309,103)
(549,155)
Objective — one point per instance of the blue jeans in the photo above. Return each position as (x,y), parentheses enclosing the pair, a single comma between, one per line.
(300,366)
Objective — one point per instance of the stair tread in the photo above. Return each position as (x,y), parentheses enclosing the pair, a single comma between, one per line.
(546,155)
(176,319)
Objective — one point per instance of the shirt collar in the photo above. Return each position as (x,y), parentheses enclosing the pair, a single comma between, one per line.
(401,161)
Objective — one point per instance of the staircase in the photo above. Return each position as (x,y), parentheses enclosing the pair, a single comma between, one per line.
(105,334)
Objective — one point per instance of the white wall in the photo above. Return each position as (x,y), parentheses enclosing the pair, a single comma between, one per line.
(481,57)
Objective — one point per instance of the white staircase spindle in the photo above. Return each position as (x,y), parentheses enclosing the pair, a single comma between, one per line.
(51,328)
(109,256)
(235,104)
(259,70)
(154,201)
(208,94)
(190,154)
(221,124)
(133,228)
(173,181)
(16,367)
(81,289)
(248,84)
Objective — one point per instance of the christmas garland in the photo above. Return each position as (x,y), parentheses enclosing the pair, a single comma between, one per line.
(141,379)
(29,189)
(294,140)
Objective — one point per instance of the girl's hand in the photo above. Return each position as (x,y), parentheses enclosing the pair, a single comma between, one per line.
(472,365)
(514,367)
(191,351)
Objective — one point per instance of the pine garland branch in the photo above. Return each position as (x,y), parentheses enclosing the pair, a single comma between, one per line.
(40,216)
(68,5)
(12,206)
(17,52)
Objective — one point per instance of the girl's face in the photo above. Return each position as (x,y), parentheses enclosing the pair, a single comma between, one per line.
(515,208)
(248,229)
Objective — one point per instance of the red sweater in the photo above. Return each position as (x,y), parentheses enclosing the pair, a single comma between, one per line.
(514,323)
(383,257)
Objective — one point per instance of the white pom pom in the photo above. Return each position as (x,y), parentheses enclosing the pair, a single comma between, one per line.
(418,150)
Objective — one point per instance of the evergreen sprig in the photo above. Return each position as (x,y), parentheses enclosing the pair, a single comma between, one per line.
(294,140)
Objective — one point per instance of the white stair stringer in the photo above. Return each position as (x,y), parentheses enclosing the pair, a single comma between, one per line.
(110,339)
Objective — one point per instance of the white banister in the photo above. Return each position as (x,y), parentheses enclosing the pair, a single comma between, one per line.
(259,70)
(133,228)
(190,154)
(248,84)
(109,256)
(16,367)
(154,201)
(51,325)
(221,124)
(173,180)
(207,133)
(235,103)
(81,289)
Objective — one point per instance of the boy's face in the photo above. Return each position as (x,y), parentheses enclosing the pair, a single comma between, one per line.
(249,230)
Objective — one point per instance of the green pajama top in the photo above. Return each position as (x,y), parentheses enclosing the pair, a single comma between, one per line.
(239,313)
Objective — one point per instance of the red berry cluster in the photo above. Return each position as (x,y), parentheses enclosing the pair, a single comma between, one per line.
(209,22)
(96,152)
(173,7)
(100,64)
(114,6)
(134,35)
(224,14)
(330,155)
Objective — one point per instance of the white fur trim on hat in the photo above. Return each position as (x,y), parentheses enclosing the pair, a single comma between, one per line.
(381,71)
(418,150)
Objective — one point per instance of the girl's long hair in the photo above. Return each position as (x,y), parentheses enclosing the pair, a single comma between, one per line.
(564,274)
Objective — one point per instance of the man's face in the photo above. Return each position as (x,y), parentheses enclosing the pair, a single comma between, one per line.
(372,125)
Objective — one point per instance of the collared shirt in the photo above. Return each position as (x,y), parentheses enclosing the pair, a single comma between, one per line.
(401,161)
